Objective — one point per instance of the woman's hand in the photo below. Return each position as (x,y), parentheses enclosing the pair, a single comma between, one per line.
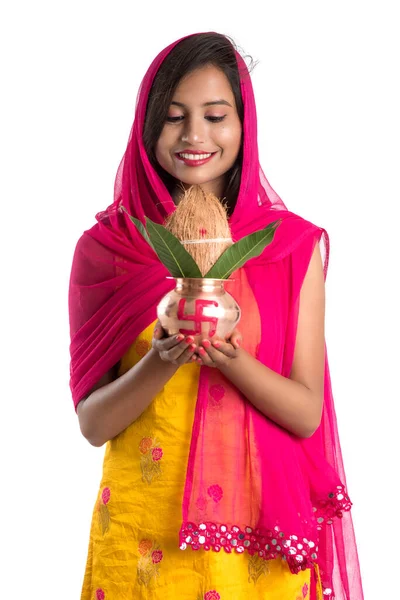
(218,352)
(176,349)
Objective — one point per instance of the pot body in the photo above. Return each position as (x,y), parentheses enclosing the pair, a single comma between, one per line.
(199,307)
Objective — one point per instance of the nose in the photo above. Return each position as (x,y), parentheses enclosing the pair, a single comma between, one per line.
(194,130)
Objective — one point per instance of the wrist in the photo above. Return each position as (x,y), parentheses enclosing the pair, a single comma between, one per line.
(233,363)
(166,366)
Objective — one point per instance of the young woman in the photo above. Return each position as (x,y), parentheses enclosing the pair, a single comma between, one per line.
(230,447)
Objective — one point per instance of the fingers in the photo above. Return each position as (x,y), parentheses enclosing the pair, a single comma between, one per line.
(174,354)
(158,331)
(166,342)
(176,349)
(216,353)
(187,355)
(235,338)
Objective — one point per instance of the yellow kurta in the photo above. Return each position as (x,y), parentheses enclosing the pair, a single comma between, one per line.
(134,550)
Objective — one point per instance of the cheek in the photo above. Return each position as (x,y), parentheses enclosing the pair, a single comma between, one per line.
(161,150)
(231,139)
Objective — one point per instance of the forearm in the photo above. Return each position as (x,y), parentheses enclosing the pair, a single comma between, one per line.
(286,402)
(110,409)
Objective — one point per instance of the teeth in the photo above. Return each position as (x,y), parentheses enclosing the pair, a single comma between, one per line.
(194,156)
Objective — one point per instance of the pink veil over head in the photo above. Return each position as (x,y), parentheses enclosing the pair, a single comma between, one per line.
(250,485)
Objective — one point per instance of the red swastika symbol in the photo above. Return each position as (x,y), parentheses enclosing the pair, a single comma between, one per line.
(198,318)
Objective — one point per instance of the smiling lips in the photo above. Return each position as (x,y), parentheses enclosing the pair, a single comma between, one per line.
(194,158)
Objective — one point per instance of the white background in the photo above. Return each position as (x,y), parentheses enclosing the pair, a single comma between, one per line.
(328,103)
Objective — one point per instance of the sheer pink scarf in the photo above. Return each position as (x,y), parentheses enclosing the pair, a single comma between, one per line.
(250,486)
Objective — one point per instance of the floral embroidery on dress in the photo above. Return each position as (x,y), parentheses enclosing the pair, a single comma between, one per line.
(211,595)
(150,460)
(100,595)
(257,567)
(217,392)
(104,515)
(149,561)
(142,347)
(304,593)
(215,492)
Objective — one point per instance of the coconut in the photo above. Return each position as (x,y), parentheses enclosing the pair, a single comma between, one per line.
(200,222)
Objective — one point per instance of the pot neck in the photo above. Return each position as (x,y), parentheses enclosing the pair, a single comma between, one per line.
(199,284)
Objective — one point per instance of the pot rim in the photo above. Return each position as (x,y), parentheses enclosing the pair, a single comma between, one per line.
(198,278)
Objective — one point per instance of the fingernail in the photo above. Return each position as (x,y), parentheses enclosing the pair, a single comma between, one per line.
(156,331)
(192,347)
(189,340)
(216,344)
(202,351)
(206,343)
(179,337)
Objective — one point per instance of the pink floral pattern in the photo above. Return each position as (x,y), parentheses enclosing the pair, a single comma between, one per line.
(148,568)
(217,392)
(150,460)
(304,593)
(212,595)
(157,556)
(100,595)
(105,495)
(157,454)
(215,492)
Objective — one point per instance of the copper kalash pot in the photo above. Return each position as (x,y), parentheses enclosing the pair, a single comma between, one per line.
(199,307)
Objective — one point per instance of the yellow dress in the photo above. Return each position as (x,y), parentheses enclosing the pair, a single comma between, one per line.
(133,550)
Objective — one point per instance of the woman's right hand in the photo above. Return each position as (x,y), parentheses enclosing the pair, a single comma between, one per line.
(176,349)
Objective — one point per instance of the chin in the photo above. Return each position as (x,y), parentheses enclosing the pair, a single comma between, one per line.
(198,179)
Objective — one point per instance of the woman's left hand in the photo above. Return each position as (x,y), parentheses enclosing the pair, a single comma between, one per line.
(218,352)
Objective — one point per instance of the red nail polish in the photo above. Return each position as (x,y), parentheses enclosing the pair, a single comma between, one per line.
(189,340)
(206,343)
(180,337)
(217,344)
(192,347)
(202,351)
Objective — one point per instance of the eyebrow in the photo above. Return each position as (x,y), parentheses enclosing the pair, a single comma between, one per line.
(212,103)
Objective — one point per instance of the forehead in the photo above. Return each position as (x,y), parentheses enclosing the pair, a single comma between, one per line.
(203,85)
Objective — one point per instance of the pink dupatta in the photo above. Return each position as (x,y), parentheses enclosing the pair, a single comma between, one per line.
(250,485)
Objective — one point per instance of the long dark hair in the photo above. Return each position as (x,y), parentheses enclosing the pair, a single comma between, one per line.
(188,55)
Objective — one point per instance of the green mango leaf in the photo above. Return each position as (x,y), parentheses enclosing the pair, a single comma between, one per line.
(171,252)
(139,226)
(239,253)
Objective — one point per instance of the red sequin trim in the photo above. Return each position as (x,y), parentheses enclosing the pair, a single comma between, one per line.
(336,504)
(300,553)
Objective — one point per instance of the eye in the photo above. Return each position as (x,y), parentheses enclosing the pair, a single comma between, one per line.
(174,119)
(216,119)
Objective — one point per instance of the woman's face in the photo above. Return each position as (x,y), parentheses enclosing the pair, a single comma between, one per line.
(202,134)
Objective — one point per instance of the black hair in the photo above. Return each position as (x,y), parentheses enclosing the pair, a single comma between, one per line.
(192,53)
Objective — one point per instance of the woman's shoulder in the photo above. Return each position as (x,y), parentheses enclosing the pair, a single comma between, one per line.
(293,229)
